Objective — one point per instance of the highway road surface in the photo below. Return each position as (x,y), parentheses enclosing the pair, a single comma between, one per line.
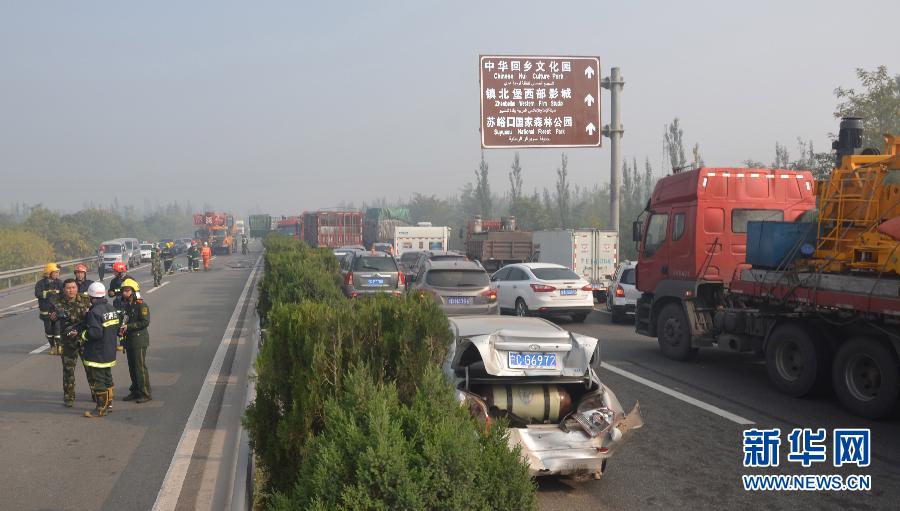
(179,451)
(689,454)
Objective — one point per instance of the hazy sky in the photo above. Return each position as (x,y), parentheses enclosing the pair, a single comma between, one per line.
(287,106)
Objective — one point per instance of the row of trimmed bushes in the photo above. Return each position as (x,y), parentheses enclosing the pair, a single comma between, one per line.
(352,411)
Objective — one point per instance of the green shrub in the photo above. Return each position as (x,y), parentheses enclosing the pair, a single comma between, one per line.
(375,452)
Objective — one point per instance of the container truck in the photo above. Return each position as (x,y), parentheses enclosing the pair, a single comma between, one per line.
(591,253)
(379,224)
(818,300)
(332,229)
(260,225)
(423,236)
(291,226)
(497,242)
(217,229)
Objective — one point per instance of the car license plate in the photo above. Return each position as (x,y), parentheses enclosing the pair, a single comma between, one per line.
(567,292)
(376,282)
(459,300)
(518,360)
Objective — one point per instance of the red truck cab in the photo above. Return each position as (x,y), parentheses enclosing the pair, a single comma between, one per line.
(693,233)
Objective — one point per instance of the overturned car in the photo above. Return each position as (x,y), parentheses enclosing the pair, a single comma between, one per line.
(543,380)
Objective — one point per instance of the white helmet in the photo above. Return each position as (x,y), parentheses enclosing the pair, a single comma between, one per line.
(97,290)
(205,244)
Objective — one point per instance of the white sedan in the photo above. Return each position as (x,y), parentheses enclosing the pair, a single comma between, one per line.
(542,289)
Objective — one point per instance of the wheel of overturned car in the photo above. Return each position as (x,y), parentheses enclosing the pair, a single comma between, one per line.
(521,307)
(794,363)
(673,333)
(865,378)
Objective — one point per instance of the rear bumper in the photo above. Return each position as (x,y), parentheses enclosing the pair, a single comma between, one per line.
(489,309)
(355,293)
(563,309)
(550,451)
(624,309)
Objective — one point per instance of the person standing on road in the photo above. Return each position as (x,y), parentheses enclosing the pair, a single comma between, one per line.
(115,285)
(46,290)
(71,309)
(99,331)
(156,266)
(81,279)
(137,340)
(206,254)
(244,243)
(168,257)
(193,256)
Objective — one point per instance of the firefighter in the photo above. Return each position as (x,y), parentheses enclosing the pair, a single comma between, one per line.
(115,285)
(137,340)
(81,279)
(193,255)
(98,332)
(70,310)
(168,257)
(244,243)
(46,290)
(206,254)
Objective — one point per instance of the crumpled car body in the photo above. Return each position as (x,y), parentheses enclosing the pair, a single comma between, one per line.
(543,380)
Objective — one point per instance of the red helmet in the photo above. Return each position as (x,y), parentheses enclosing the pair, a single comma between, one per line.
(119,267)
(80,267)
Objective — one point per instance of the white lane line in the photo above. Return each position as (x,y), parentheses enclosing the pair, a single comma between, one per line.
(19,304)
(39,349)
(161,285)
(678,395)
(167,498)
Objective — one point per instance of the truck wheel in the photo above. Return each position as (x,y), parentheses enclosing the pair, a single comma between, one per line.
(793,362)
(865,378)
(521,308)
(673,333)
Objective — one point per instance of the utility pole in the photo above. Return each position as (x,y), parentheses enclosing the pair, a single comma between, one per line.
(614,132)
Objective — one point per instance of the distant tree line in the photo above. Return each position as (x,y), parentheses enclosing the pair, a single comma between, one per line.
(32,235)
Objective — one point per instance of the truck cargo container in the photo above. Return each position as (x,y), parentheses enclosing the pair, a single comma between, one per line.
(291,226)
(496,242)
(591,253)
(379,224)
(260,225)
(420,237)
(332,229)
(818,329)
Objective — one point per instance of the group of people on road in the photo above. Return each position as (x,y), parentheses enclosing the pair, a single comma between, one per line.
(80,322)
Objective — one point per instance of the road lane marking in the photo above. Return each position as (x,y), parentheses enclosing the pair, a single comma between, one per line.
(678,395)
(155,288)
(170,491)
(39,349)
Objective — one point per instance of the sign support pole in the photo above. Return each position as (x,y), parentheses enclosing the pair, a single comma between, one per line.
(614,132)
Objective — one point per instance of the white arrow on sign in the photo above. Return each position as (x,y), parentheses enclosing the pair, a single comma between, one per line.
(589,72)
(589,100)
(590,128)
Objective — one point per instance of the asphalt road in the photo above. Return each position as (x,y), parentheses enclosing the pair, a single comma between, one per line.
(53,458)
(687,457)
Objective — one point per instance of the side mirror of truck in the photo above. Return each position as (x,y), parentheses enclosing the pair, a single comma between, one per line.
(636,231)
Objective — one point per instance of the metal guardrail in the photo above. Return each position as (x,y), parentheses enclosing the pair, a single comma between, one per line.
(9,275)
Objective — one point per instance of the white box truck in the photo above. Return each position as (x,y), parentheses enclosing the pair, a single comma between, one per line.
(420,237)
(591,253)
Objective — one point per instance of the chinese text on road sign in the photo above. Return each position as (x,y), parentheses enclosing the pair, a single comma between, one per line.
(540,101)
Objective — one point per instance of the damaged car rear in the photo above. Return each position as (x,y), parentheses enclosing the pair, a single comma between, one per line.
(543,380)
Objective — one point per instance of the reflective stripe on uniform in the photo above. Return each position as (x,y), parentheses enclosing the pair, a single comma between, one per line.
(110,323)
(99,365)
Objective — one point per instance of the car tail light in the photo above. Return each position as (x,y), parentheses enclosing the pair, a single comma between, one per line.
(620,293)
(542,288)
(490,294)
(349,279)
(588,287)
(401,278)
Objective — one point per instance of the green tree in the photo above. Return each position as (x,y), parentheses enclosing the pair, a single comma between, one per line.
(674,142)
(515,180)
(483,188)
(21,249)
(563,192)
(698,160)
(878,104)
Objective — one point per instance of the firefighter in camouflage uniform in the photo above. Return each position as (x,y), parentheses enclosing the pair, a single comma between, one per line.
(70,309)
(156,266)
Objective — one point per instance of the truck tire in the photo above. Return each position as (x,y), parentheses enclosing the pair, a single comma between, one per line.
(674,334)
(796,366)
(865,378)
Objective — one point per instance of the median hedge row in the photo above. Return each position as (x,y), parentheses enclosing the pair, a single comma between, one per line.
(351,410)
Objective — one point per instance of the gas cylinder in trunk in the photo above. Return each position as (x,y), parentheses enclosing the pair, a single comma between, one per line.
(540,403)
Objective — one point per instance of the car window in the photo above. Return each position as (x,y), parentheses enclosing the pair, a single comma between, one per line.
(146,247)
(503,274)
(516,274)
(409,257)
(374,263)
(457,278)
(677,226)
(448,257)
(656,233)
(740,217)
(627,277)
(554,274)
(111,249)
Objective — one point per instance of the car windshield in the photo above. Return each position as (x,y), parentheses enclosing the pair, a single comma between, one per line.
(555,274)
(146,246)
(457,278)
(409,257)
(374,264)
(448,257)
(627,277)
(111,249)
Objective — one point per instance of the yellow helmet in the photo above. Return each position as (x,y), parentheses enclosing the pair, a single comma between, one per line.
(50,268)
(170,245)
(133,284)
